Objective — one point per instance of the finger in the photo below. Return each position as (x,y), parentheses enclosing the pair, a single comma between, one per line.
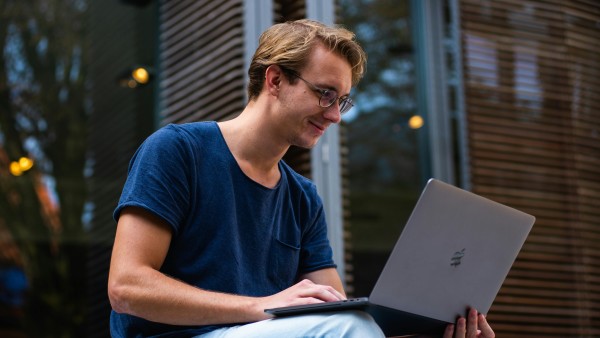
(486,329)
(323,292)
(329,294)
(461,328)
(305,300)
(472,324)
(337,294)
(449,331)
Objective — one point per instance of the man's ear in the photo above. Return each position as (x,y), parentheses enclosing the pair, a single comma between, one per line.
(273,79)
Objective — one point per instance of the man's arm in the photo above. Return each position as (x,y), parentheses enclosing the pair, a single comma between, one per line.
(137,287)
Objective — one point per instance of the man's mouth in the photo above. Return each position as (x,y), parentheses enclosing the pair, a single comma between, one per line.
(319,127)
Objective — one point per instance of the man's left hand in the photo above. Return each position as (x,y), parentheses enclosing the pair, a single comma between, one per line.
(474,326)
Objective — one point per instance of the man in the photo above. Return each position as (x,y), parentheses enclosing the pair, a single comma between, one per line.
(213,227)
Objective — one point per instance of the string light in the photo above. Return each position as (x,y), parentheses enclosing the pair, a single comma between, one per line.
(18,168)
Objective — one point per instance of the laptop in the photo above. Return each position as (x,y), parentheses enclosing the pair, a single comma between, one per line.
(454,253)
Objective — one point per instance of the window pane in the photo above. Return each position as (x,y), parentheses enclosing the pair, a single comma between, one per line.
(382,133)
(70,118)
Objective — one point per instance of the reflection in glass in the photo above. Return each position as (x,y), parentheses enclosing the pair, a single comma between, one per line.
(44,130)
(53,187)
(382,135)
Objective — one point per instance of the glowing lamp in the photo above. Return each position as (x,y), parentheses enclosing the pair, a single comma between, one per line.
(17,168)
(415,122)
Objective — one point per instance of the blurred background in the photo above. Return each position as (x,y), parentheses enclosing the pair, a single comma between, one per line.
(498,97)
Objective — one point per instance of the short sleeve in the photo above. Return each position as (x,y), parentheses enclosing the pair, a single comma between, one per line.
(159,177)
(316,251)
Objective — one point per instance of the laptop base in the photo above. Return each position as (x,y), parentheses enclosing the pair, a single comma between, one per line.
(399,323)
(392,322)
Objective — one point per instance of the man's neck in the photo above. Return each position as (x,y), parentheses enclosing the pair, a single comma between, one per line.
(255,149)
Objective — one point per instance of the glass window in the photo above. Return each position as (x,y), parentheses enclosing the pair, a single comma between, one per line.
(71,114)
(383,131)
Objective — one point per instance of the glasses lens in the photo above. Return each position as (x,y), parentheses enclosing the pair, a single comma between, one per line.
(328,97)
(345,104)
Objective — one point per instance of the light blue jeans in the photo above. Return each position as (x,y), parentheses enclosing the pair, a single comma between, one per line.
(347,324)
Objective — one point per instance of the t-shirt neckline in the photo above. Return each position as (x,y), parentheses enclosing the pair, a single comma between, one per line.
(237,166)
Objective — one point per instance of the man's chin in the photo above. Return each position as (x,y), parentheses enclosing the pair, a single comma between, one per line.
(308,144)
(305,143)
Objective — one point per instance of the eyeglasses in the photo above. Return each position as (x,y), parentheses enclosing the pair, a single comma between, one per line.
(328,96)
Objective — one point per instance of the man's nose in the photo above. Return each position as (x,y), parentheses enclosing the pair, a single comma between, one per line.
(332,113)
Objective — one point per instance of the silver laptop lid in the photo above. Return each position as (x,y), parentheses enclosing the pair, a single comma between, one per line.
(454,253)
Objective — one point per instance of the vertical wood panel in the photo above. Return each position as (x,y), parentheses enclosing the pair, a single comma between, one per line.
(202,68)
(531,73)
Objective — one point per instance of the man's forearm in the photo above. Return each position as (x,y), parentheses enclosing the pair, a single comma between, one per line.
(156,297)
(151,295)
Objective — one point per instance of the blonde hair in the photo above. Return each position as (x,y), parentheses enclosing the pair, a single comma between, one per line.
(289,45)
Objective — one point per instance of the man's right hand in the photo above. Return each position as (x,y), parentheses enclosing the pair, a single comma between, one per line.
(303,292)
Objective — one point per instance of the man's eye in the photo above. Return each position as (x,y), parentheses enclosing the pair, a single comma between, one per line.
(329,95)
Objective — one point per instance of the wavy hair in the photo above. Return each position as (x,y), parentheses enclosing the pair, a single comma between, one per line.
(289,45)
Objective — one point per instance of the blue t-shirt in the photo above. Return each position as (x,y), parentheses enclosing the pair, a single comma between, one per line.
(230,234)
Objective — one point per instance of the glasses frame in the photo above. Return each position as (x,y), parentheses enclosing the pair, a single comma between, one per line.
(345,102)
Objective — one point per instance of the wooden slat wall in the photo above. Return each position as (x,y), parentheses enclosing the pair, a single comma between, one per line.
(347,233)
(202,60)
(531,75)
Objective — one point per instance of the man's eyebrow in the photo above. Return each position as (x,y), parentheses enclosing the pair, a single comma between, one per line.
(329,87)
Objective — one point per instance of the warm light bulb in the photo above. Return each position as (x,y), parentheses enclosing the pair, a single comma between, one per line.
(415,122)
(140,75)
(25,163)
(15,168)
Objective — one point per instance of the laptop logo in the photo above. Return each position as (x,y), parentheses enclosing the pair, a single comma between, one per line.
(457,257)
